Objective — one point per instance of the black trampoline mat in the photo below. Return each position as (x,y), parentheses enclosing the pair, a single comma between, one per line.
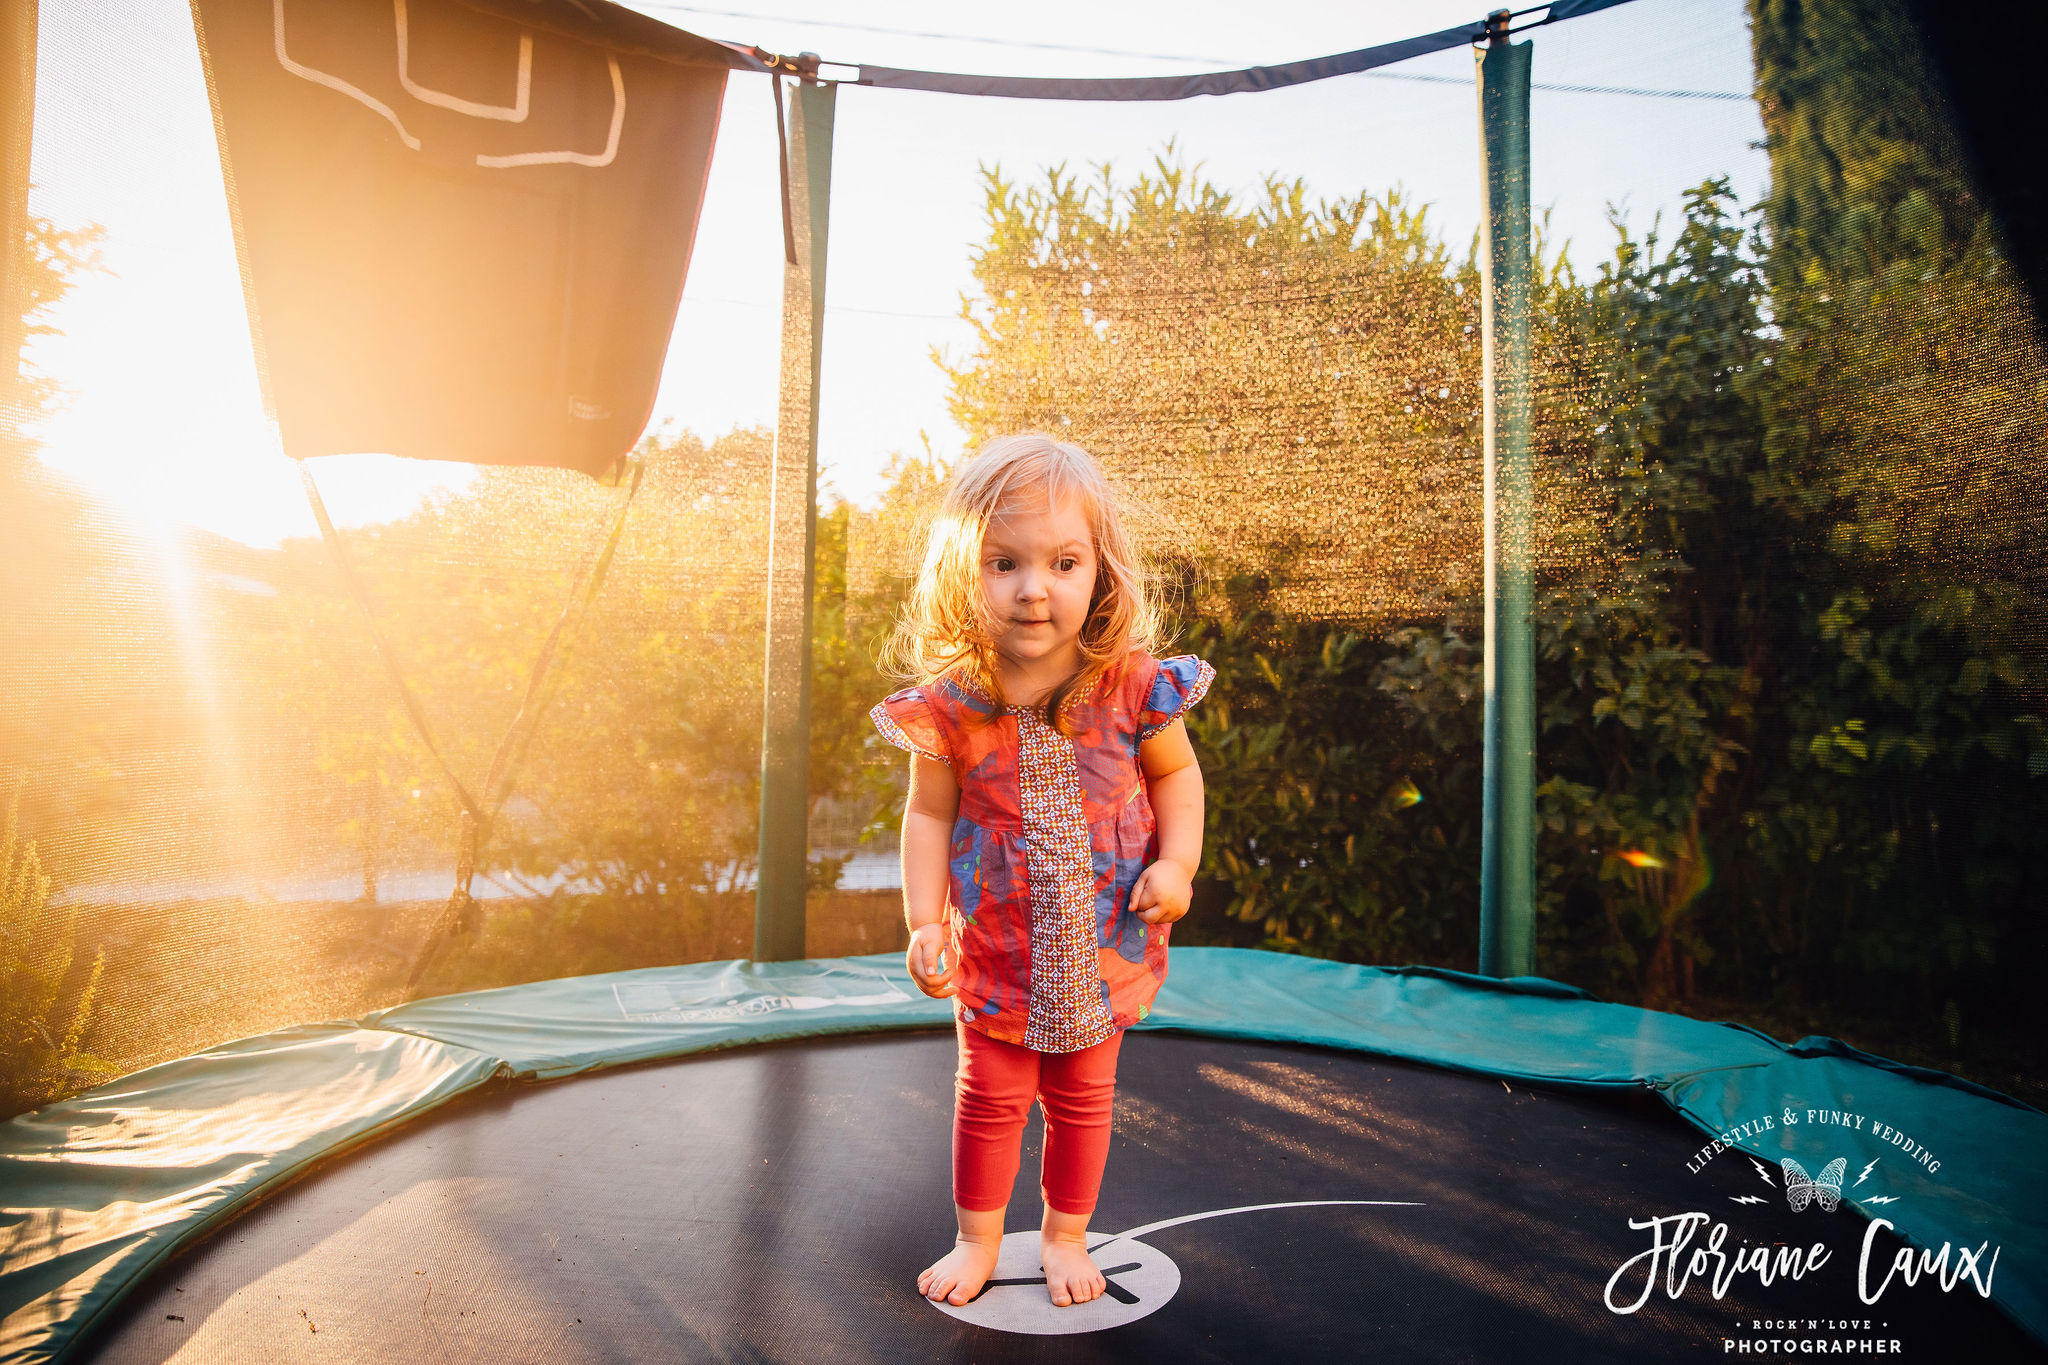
(776,1203)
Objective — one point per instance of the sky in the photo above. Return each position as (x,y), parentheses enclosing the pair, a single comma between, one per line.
(163,414)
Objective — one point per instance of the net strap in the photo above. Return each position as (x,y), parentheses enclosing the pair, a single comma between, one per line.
(339,550)
(782,155)
(1245,81)
(459,916)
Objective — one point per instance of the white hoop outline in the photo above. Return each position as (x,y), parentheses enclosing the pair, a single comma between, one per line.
(319,77)
(611,143)
(514,112)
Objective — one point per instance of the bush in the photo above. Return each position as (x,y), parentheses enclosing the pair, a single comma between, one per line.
(40,1059)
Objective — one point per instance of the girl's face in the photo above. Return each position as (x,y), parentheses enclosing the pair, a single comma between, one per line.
(1038,573)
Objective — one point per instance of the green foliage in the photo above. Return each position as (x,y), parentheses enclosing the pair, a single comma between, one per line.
(42,1023)
(1194,342)
(641,785)
(1787,615)
(1865,168)
(642,781)
(1905,426)
(845,681)
(41,1059)
(1322,829)
(1770,722)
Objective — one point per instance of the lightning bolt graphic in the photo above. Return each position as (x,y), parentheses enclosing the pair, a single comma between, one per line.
(1883,1199)
(1764,1171)
(1745,1199)
(1866,1171)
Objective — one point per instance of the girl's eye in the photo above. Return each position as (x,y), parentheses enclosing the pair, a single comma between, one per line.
(1068,564)
(1000,565)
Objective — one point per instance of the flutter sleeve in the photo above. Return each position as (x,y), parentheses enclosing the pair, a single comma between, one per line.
(906,721)
(1181,682)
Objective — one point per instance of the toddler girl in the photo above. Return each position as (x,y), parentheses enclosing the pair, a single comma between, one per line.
(1037,879)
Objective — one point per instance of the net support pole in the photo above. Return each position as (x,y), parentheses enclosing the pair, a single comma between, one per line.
(17,134)
(792,541)
(1507,867)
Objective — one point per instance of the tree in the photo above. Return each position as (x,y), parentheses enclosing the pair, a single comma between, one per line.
(53,261)
(1906,420)
(1315,366)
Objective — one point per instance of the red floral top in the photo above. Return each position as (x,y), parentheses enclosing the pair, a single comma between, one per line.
(1052,832)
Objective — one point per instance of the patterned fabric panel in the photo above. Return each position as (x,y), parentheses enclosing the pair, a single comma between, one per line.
(1068,1009)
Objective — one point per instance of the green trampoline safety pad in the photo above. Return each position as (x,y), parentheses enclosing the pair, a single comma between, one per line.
(97,1191)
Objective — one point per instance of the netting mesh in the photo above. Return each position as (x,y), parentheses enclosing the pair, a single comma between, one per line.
(249,822)
(1789,549)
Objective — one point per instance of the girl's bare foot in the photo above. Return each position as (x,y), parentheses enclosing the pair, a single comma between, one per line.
(959,1275)
(1070,1273)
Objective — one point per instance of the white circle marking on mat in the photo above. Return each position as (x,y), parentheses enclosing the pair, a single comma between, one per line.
(1141,1280)
(1141,1277)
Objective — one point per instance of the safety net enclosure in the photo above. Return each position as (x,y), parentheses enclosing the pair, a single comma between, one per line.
(1721,503)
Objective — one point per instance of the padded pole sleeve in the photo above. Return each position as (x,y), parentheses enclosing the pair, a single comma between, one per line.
(1507,877)
(792,544)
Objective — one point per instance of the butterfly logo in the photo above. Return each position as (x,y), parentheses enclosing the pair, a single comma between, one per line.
(1825,1189)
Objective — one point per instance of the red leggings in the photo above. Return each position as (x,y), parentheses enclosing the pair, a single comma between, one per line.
(992,1095)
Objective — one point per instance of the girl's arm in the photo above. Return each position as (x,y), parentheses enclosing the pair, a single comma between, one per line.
(927,838)
(1173,782)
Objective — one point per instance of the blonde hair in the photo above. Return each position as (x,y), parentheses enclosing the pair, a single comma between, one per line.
(947,624)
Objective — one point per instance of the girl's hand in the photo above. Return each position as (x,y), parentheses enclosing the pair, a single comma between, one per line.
(1162,891)
(928,948)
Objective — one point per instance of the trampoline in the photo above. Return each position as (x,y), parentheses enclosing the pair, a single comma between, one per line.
(748,1162)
